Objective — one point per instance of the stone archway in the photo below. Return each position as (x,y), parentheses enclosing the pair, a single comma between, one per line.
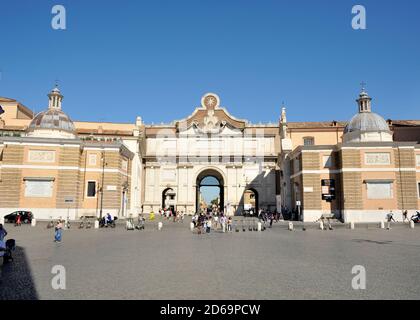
(210,178)
(251,201)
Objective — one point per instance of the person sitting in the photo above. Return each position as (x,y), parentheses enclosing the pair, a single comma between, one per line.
(108,218)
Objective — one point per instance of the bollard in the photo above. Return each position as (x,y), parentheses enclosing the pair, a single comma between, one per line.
(160,225)
(382,225)
(290,226)
(321,225)
(259,226)
(192,226)
(223,227)
(351,225)
(411,224)
(33,222)
(96,224)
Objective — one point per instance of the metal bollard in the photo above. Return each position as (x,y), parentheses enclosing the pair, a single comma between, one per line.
(290,226)
(33,222)
(382,225)
(259,226)
(411,224)
(351,225)
(160,225)
(192,226)
(96,224)
(321,225)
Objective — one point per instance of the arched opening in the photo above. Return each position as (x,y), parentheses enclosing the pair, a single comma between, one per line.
(168,199)
(209,191)
(251,202)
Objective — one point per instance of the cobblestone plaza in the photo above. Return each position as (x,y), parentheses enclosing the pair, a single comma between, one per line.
(176,264)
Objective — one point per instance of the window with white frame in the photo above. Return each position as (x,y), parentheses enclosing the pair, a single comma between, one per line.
(91,189)
(379,189)
(327,161)
(38,188)
(417,160)
(92,159)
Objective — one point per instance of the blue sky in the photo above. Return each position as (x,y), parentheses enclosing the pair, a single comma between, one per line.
(120,59)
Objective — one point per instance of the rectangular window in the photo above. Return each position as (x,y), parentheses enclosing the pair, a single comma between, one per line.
(379,190)
(92,159)
(327,161)
(417,160)
(418,188)
(38,188)
(91,189)
(308,141)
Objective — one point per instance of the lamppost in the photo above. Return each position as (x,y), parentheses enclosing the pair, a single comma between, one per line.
(102,184)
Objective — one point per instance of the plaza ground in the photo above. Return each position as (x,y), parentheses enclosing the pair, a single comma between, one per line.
(176,264)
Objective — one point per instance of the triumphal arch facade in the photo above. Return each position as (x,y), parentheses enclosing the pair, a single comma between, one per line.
(209,148)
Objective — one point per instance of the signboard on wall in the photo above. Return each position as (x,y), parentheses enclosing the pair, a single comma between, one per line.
(328,189)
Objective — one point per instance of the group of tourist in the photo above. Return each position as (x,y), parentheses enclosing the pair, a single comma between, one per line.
(204,223)
(168,213)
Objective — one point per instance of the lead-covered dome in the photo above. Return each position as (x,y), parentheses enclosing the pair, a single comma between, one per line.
(366,126)
(52,122)
(367,121)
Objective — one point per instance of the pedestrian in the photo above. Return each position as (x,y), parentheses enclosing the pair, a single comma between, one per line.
(18,220)
(208,225)
(216,221)
(229,224)
(58,231)
(3,232)
(405,213)
(390,217)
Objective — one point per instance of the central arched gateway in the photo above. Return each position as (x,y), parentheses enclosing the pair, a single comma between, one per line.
(209,179)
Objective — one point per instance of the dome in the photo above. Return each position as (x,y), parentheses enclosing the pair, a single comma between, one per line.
(367,122)
(366,126)
(52,119)
(53,122)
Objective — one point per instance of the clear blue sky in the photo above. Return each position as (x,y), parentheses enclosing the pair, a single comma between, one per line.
(120,59)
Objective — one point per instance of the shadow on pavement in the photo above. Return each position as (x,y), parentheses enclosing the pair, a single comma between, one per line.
(16,281)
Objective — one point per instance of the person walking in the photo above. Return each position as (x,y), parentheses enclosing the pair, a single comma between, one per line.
(58,231)
(208,229)
(390,217)
(3,232)
(405,213)
(18,220)
(229,224)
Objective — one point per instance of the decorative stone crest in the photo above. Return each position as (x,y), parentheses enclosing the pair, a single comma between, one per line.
(210,101)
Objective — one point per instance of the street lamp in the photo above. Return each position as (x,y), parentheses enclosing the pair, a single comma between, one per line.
(102,183)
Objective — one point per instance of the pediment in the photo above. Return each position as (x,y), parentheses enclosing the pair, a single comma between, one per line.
(210,118)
